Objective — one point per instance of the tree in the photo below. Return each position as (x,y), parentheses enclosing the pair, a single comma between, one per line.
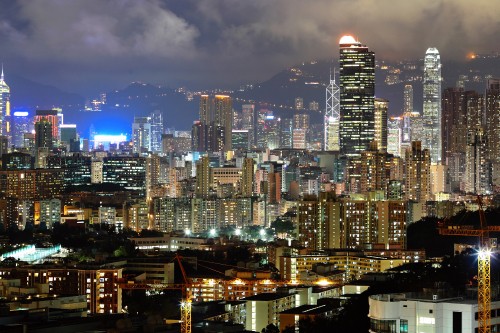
(271,328)
(283,227)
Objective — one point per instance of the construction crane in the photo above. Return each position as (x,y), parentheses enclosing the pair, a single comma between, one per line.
(483,264)
(186,324)
(186,300)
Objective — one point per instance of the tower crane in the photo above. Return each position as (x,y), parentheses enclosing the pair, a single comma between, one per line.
(483,264)
(186,324)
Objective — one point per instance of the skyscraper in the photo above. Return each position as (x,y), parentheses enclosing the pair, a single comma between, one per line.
(417,173)
(432,104)
(22,123)
(394,136)
(141,135)
(205,116)
(461,116)
(357,95)
(5,125)
(247,177)
(52,116)
(217,113)
(408,98)
(43,134)
(156,120)
(247,121)
(332,116)
(381,107)
(223,112)
(492,106)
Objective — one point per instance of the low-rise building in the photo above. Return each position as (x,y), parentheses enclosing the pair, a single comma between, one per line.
(353,264)
(264,309)
(426,313)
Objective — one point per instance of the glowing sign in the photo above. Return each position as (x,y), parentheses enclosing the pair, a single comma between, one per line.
(21,114)
(110,138)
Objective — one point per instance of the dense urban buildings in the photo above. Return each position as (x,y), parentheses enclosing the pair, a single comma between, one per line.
(277,210)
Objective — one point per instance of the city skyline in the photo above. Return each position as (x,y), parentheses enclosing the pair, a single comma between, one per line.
(91,48)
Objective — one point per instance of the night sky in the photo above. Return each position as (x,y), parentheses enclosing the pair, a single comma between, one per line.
(88,46)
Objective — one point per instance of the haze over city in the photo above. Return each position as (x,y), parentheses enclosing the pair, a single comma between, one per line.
(88,47)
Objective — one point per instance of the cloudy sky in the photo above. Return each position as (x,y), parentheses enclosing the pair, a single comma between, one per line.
(88,46)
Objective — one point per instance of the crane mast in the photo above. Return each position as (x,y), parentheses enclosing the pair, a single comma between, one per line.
(483,265)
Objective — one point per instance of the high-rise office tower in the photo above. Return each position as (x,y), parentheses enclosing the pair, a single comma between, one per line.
(381,107)
(272,131)
(69,137)
(286,133)
(156,120)
(432,104)
(22,123)
(247,121)
(44,134)
(205,116)
(240,139)
(52,116)
(492,106)
(127,171)
(260,127)
(455,123)
(477,166)
(408,114)
(198,138)
(247,177)
(44,142)
(357,95)
(141,135)
(417,173)
(408,98)
(394,136)
(332,116)
(217,113)
(5,125)
(223,116)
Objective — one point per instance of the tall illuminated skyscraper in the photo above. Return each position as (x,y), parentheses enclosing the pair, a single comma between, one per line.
(5,118)
(357,95)
(492,108)
(432,104)
(156,120)
(22,123)
(52,116)
(218,113)
(205,116)
(332,116)
(394,136)
(223,114)
(381,107)
(408,98)
(247,121)
(141,135)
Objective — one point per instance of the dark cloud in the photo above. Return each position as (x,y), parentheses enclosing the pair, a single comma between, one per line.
(91,45)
